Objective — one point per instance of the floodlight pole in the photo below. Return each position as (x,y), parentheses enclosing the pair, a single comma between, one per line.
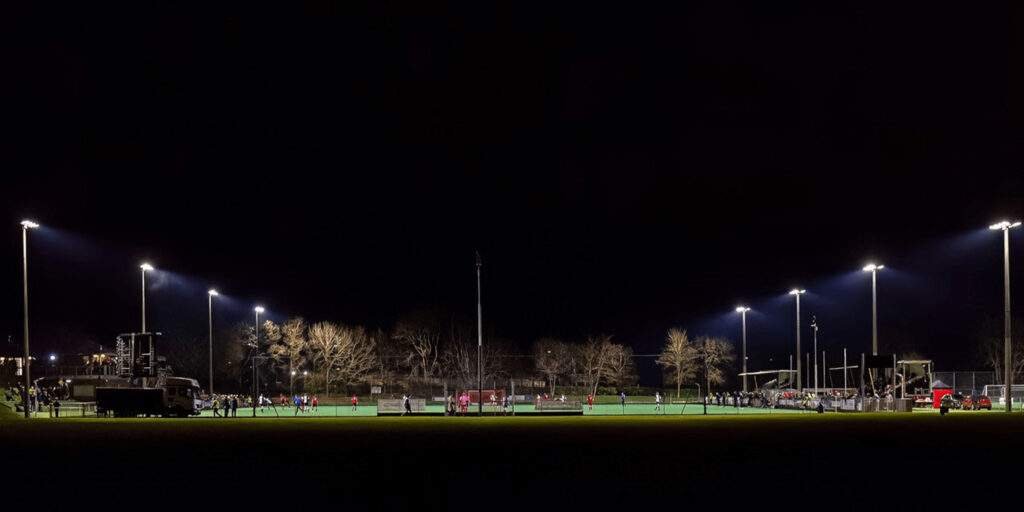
(1007,346)
(255,350)
(742,310)
(874,312)
(798,292)
(143,298)
(814,325)
(744,320)
(210,295)
(26,366)
(479,341)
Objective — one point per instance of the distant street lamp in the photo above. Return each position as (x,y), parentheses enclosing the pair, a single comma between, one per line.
(255,350)
(1006,226)
(146,267)
(742,310)
(871,267)
(797,293)
(210,295)
(26,367)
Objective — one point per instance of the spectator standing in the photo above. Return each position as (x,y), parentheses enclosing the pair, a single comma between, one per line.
(234,406)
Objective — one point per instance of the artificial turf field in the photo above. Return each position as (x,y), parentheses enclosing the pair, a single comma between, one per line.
(523,463)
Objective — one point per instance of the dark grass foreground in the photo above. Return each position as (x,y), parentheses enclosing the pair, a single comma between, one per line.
(514,463)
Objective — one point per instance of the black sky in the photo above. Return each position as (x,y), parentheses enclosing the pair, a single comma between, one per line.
(621,170)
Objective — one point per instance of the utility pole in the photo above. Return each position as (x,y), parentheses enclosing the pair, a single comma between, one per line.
(479,341)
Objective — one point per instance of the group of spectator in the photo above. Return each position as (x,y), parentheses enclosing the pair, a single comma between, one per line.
(39,396)
(227,403)
(737,399)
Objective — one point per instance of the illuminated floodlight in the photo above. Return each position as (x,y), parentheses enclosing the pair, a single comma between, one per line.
(742,309)
(796,291)
(871,267)
(258,309)
(146,267)
(53,357)
(293,373)
(1004,225)
(213,293)
(27,224)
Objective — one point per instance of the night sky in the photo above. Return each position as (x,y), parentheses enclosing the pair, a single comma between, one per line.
(620,172)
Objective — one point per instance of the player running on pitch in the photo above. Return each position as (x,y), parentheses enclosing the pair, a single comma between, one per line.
(657,401)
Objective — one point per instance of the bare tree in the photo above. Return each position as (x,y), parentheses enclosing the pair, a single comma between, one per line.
(358,357)
(459,356)
(679,358)
(288,347)
(340,353)
(553,358)
(388,358)
(420,339)
(621,370)
(595,357)
(716,356)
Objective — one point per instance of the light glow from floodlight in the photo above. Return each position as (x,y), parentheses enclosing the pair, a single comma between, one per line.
(213,293)
(146,267)
(742,309)
(27,224)
(871,267)
(53,357)
(258,309)
(1004,225)
(797,291)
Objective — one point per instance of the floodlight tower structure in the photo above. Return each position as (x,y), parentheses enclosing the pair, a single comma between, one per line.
(873,268)
(255,352)
(742,310)
(1005,227)
(27,363)
(145,267)
(210,295)
(797,292)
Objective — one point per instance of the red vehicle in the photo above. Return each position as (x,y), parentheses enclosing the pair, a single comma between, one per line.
(976,403)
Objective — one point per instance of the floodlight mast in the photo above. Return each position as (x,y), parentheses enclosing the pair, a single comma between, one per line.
(479,341)
(873,268)
(1006,226)
(146,267)
(797,293)
(742,310)
(255,350)
(27,363)
(210,295)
